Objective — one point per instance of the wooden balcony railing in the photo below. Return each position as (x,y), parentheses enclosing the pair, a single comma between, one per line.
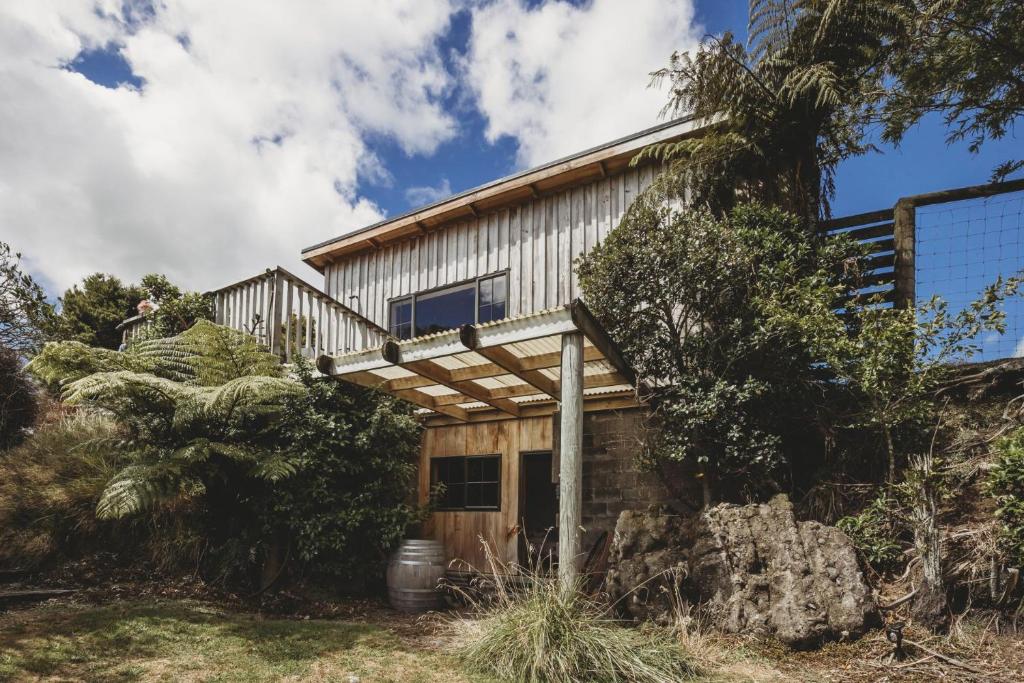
(292,317)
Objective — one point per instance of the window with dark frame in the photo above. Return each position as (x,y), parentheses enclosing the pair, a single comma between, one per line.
(492,299)
(401,318)
(477,301)
(472,482)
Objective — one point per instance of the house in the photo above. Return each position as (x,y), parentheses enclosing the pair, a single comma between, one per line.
(470,308)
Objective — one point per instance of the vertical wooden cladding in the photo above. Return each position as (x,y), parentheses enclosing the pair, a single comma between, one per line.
(537,241)
(464,532)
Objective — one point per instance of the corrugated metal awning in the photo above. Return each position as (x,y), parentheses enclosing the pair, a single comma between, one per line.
(505,366)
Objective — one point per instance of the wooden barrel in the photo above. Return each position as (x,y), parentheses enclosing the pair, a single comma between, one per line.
(413,573)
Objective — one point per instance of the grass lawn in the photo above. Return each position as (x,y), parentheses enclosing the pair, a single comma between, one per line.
(190,641)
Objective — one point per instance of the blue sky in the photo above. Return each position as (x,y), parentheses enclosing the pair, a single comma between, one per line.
(174,137)
(922,163)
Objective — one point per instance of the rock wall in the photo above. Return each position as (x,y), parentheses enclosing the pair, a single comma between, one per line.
(756,568)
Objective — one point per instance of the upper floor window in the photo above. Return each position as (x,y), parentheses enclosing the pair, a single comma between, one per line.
(477,301)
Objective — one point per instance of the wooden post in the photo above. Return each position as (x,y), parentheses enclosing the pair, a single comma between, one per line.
(570,473)
(904,219)
(276,303)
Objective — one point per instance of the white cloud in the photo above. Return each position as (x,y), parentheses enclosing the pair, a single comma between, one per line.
(561,78)
(239,150)
(421,196)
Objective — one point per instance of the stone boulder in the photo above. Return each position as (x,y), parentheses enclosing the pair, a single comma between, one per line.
(756,568)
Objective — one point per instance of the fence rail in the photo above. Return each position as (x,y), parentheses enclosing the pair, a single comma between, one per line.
(876,229)
(950,243)
(292,317)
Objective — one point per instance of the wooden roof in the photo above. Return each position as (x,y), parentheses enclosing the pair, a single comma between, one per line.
(502,369)
(551,177)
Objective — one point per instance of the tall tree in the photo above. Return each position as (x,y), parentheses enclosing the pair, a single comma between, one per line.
(91,312)
(785,109)
(25,314)
(965,60)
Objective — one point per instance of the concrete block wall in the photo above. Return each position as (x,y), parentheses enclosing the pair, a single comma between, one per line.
(612,480)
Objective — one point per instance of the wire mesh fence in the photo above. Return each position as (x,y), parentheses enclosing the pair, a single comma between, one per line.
(963,246)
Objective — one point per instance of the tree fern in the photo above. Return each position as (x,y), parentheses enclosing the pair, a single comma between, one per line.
(786,108)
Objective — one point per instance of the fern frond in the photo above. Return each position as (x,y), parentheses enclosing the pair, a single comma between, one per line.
(110,390)
(249,395)
(274,468)
(135,489)
(62,362)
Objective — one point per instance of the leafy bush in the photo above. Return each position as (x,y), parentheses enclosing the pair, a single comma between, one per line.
(177,311)
(1006,484)
(891,360)
(874,533)
(544,634)
(684,293)
(19,403)
(257,465)
(355,454)
(50,487)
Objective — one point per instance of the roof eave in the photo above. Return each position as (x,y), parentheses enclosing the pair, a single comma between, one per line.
(547,178)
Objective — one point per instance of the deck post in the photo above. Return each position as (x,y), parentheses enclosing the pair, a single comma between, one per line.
(570,474)
(276,304)
(904,219)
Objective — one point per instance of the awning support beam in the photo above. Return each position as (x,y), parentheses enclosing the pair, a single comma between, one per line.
(570,475)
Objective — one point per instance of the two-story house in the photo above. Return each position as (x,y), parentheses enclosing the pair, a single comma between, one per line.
(470,308)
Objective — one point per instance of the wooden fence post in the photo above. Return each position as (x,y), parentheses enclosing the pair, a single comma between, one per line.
(904,219)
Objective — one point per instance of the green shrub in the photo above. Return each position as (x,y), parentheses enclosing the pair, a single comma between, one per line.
(220,448)
(539,633)
(19,402)
(873,532)
(1006,484)
(684,294)
(50,487)
(355,452)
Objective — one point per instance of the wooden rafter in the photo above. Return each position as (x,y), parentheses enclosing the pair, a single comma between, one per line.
(366,379)
(510,363)
(442,376)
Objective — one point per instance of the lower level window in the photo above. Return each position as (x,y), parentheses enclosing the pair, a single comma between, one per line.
(471,482)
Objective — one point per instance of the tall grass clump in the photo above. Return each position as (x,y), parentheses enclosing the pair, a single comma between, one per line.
(50,487)
(535,632)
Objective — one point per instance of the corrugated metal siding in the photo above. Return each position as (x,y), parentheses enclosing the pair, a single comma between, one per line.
(536,241)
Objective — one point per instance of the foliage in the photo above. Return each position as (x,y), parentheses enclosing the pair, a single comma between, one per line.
(682,292)
(786,110)
(541,633)
(177,311)
(355,454)
(874,532)
(964,59)
(198,418)
(25,315)
(19,402)
(890,359)
(50,487)
(1005,483)
(90,313)
(213,430)
(61,362)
